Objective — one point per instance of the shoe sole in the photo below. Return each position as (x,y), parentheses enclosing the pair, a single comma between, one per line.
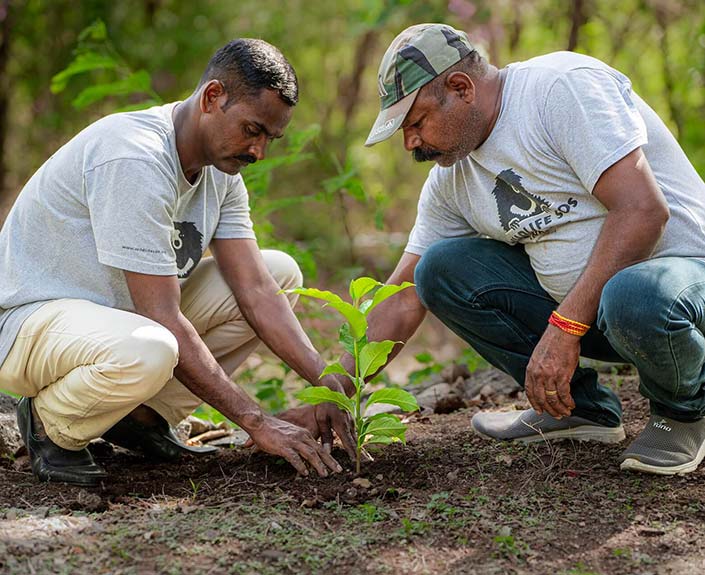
(581,433)
(631,464)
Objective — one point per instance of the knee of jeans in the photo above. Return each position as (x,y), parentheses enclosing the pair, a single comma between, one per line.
(625,308)
(147,358)
(284,269)
(428,276)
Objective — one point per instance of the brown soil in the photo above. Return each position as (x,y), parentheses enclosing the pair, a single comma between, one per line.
(447,502)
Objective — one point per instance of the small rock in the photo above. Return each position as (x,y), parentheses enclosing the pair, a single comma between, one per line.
(379,477)
(452,475)
(10,440)
(362,483)
(350,495)
(148,535)
(274,526)
(454,371)
(486,391)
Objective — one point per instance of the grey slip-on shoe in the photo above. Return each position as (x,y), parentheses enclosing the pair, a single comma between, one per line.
(527,426)
(666,447)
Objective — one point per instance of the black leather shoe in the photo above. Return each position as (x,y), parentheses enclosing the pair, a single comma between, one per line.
(156,441)
(51,462)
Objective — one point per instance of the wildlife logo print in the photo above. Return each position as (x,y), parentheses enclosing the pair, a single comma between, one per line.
(187,242)
(515,205)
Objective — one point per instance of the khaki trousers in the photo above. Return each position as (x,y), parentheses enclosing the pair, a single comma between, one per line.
(87,366)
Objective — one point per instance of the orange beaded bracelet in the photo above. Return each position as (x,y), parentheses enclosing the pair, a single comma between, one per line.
(568,325)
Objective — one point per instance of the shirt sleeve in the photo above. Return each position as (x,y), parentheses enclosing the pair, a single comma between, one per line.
(131,205)
(235,222)
(592,121)
(435,218)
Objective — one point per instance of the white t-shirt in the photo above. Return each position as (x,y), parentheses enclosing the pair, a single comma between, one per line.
(113,198)
(564,119)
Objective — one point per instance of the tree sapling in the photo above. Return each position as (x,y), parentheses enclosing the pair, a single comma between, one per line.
(368,358)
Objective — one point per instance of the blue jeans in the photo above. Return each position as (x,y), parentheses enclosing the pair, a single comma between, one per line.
(651,314)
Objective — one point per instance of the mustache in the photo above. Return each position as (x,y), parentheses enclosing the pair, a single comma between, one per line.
(246,158)
(421,155)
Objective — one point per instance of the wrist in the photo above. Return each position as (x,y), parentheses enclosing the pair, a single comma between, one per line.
(567,325)
(251,420)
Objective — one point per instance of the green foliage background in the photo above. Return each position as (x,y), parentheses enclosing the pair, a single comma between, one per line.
(340,207)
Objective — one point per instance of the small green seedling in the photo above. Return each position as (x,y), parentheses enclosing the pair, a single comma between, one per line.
(369,357)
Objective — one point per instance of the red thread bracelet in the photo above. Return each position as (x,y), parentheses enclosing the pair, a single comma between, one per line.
(568,325)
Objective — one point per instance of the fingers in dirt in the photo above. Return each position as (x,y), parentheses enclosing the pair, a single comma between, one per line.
(292,457)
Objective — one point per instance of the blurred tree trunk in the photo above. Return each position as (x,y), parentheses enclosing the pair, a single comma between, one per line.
(577,19)
(350,87)
(663,21)
(4,85)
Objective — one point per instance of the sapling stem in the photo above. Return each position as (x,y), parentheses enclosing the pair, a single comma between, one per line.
(358,415)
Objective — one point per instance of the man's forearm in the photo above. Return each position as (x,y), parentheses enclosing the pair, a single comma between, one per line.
(271,317)
(202,375)
(625,239)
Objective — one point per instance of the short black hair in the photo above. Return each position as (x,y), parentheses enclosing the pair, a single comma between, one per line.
(247,65)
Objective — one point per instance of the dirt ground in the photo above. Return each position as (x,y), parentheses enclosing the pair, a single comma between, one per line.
(447,502)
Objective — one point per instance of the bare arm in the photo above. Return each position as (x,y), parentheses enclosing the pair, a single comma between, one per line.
(271,317)
(637,215)
(396,318)
(268,313)
(158,298)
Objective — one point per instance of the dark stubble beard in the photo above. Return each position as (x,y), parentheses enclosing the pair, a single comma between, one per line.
(471,134)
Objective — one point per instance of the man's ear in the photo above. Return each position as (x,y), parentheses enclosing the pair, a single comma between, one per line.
(211,95)
(462,85)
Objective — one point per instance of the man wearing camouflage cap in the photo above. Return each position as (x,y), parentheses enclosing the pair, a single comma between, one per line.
(562,219)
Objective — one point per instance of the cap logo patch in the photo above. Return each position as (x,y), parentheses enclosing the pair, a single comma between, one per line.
(384,127)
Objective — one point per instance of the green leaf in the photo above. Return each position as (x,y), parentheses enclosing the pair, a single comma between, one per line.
(356,319)
(373,356)
(316,395)
(383,439)
(84,62)
(391,396)
(346,338)
(362,286)
(388,426)
(137,82)
(385,292)
(335,368)
(423,357)
(96,31)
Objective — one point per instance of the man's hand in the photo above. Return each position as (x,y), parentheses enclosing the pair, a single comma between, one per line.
(550,370)
(320,421)
(294,444)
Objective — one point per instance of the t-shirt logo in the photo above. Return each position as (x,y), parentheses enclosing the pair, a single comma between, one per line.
(187,242)
(514,203)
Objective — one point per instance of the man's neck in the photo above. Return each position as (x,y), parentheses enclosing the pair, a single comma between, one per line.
(493,86)
(185,117)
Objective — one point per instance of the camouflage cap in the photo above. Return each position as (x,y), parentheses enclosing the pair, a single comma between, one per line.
(413,59)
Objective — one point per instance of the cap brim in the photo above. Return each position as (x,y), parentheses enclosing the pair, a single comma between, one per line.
(389,121)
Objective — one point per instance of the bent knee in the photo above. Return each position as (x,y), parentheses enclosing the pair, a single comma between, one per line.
(284,269)
(429,274)
(146,358)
